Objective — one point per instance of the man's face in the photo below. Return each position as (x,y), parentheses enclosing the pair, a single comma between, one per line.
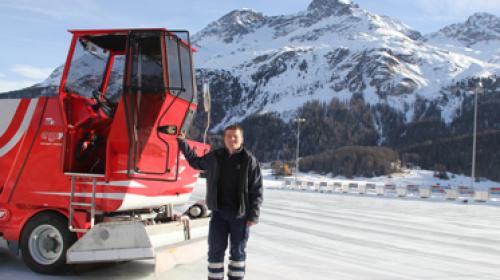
(233,139)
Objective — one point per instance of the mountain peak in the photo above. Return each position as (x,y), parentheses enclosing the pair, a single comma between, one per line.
(328,4)
(331,7)
(242,17)
(233,24)
(482,19)
(479,27)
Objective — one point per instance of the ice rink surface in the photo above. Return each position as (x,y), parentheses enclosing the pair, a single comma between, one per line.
(315,236)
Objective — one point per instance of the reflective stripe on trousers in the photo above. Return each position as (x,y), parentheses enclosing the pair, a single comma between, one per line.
(224,226)
(215,271)
(236,270)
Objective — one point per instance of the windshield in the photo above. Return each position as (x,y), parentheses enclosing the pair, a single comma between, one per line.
(147,71)
(180,68)
(87,68)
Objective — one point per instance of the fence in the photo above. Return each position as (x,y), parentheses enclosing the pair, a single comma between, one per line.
(435,191)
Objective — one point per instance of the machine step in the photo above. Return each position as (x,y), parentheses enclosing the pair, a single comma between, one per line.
(91,205)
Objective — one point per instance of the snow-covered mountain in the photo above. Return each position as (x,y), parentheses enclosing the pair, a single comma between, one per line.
(334,49)
(478,37)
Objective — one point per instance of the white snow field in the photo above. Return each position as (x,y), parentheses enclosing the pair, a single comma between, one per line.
(314,236)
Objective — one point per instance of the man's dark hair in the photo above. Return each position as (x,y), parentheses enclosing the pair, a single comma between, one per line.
(233,127)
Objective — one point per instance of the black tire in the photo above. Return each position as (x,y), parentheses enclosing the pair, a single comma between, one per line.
(55,224)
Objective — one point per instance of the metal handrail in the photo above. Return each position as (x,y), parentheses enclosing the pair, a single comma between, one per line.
(92,203)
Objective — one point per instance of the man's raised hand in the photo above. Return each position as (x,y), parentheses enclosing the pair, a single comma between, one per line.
(181,136)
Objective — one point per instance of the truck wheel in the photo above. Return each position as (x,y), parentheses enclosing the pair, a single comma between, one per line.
(197,210)
(44,242)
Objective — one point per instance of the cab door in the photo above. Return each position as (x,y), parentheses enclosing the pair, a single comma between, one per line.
(156,107)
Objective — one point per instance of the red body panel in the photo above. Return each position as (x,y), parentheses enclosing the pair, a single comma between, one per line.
(33,180)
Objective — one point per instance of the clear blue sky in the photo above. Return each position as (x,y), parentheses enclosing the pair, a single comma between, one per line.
(34,37)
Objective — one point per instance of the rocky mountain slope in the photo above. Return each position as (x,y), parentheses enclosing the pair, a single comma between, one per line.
(331,50)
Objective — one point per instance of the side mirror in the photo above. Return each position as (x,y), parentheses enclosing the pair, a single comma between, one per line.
(206,96)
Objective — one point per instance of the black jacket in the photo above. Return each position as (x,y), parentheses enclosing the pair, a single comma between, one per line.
(250,182)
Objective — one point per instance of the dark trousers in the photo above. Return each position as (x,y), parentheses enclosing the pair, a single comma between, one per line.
(225,225)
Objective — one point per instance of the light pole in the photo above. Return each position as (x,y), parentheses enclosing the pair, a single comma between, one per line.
(474,140)
(298,121)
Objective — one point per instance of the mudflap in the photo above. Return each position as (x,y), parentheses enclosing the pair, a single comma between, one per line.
(179,242)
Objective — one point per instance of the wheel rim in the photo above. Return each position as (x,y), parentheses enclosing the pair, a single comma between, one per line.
(45,244)
(195,211)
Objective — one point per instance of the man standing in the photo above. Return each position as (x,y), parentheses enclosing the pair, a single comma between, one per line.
(234,194)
